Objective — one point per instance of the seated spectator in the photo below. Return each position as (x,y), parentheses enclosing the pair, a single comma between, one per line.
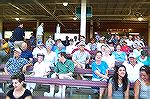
(66,41)
(77,48)
(59,48)
(130,41)
(26,53)
(100,70)
(143,58)
(110,60)
(111,46)
(137,51)
(4,49)
(132,68)
(92,45)
(40,69)
(122,40)
(18,91)
(16,64)
(32,41)
(125,48)
(142,84)
(100,43)
(50,56)
(39,49)
(138,42)
(118,86)
(119,55)
(103,47)
(81,58)
(55,45)
(70,48)
(64,70)
(50,41)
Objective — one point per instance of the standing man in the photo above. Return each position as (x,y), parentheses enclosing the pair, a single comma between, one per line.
(18,35)
(39,33)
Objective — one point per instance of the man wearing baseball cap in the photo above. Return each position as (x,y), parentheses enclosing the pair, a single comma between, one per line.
(16,63)
(132,67)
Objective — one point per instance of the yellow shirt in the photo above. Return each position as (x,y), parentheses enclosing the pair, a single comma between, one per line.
(5,47)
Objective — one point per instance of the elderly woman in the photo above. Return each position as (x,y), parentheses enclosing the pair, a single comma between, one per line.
(119,55)
(144,58)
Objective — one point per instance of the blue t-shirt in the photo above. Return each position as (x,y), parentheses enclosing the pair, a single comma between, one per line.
(120,57)
(26,54)
(146,61)
(100,67)
(18,34)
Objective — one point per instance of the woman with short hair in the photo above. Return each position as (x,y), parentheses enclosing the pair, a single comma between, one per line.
(18,91)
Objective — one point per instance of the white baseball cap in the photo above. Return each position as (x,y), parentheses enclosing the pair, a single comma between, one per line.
(18,50)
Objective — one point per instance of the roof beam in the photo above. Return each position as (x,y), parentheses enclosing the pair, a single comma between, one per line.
(18,8)
(42,6)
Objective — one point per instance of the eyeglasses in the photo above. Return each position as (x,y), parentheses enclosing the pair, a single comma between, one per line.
(143,68)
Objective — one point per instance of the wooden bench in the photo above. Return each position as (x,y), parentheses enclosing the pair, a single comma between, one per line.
(2,67)
(67,82)
(103,84)
(3,96)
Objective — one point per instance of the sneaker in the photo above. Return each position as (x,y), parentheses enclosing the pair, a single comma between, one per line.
(48,94)
(84,78)
(95,91)
(78,89)
(31,90)
(58,95)
(1,91)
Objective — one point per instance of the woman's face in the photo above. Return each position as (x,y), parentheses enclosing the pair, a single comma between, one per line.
(16,54)
(144,76)
(17,84)
(40,59)
(121,72)
(103,48)
(49,48)
(98,56)
(107,51)
(118,47)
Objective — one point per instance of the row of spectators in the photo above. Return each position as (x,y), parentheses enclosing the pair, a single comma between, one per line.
(81,55)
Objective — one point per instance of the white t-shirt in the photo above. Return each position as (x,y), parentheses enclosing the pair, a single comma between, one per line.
(39,30)
(51,59)
(133,72)
(70,48)
(129,42)
(110,60)
(40,69)
(99,46)
(38,51)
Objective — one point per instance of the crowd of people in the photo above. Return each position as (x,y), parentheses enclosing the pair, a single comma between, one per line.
(126,56)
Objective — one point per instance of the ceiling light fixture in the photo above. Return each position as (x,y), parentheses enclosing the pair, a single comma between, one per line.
(74,18)
(17,19)
(65,3)
(140,18)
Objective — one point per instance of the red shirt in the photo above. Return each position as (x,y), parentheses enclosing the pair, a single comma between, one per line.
(125,49)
